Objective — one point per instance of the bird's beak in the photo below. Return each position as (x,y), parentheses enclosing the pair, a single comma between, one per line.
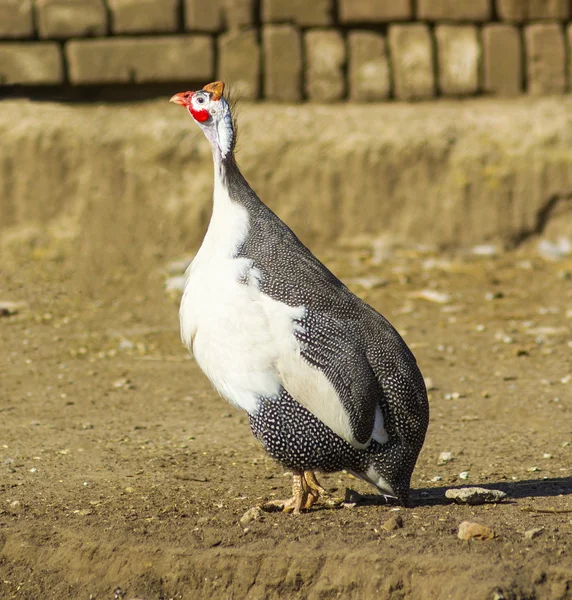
(178,99)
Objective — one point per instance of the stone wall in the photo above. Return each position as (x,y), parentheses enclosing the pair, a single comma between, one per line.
(291,50)
(133,183)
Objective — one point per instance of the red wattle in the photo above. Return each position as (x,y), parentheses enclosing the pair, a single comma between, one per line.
(199,115)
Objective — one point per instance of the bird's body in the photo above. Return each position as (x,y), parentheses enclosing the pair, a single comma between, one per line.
(327,382)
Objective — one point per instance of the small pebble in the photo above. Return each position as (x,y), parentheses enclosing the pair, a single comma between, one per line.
(8,308)
(555,251)
(532,533)
(126,344)
(430,384)
(445,457)
(500,336)
(252,514)
(474,495)
(393,523)
(124,383)
(432,296)
(464,475)
(494,295)
(485,250)
(474,531)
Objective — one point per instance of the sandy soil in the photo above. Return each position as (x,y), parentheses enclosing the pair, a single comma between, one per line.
(123,475)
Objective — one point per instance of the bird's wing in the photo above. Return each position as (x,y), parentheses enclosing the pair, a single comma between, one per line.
(321,361)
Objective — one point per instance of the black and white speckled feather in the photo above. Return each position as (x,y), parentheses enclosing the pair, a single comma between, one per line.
(357,349)
(326,380)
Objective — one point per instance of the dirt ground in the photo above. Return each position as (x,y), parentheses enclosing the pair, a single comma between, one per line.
(123,475)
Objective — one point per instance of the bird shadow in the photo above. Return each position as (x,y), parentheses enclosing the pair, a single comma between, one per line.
(515,490)
(435,496)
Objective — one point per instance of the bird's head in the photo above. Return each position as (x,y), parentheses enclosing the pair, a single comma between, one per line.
(211,112)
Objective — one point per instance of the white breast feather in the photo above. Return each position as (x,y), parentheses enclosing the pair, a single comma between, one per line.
(243,339)
(219,318)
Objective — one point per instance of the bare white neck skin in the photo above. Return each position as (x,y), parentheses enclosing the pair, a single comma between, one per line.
(220,135)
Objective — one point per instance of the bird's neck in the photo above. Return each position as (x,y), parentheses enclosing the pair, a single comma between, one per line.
(222,168)
(230,219)
(221,196)
(221,138)
(230,187)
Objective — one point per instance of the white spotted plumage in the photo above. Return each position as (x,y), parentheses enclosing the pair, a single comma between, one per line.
(243,339)
(327,382)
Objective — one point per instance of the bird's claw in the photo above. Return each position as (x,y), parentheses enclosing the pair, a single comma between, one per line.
(306,491)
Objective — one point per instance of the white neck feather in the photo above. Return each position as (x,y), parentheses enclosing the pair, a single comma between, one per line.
(229,222)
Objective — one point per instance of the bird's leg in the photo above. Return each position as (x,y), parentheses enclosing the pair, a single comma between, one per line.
(305,492)
(299,494)
(298,500)
(313,488)
(313,483)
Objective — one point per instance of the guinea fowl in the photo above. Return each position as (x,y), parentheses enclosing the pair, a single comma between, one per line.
(327,382)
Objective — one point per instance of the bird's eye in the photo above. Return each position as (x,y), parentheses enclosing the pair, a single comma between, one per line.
(200,100)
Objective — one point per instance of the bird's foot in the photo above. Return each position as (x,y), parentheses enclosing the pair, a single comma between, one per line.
(306,492)
(313,484)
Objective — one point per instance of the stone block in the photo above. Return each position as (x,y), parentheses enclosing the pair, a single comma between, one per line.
(16,19)
(411,51)
(458,54)
(545,58)
(454,10)
(325,61)
(144,16)
(374,11)
(239,62)
(141,60)
(569,45)
(301,12)
(238,13)
(71,18)
(532,10)
(282,51)
(30,63)
(201,15)
(502,59)
(368,73)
